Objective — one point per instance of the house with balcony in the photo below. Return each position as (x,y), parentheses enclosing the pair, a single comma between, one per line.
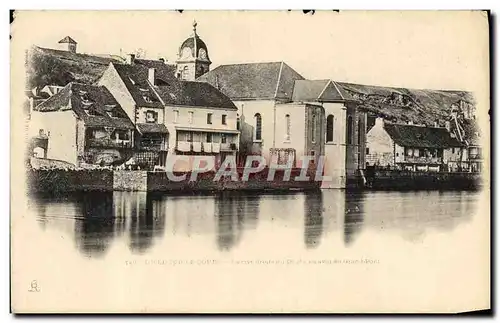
(410,147)
(82,124)
(172,116)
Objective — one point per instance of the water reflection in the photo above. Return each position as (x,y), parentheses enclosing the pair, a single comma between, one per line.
(353,215)
(313,219)
(141,221)
(234,212)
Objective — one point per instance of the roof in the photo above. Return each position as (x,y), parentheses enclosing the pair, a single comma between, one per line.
(190,43)
(93,104)
(67,40)
(47,66)
(318,90)
(421,106)
(169,89)
(151,128)
(194,94)
(273,80)
(418,136)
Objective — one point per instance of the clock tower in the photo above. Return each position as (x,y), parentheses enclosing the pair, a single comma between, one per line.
(193,60)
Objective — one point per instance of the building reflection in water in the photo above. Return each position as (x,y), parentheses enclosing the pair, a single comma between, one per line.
(353,215)
(94,228)
(234,212)
(313,219)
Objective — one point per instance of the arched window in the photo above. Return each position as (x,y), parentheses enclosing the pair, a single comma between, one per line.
(350,128)
(313,128)
(329,128)
(258,127)
(287,123)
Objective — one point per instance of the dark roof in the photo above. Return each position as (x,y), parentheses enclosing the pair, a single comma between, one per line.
(66,40)
(151,128)
(254,81)
(194,94)
(93,104)
(169,89)
(47,66)
(318,90)
(418,136)
(190,42)
(403,104)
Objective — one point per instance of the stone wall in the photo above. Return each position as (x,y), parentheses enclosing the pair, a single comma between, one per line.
(126,180)
(56,180)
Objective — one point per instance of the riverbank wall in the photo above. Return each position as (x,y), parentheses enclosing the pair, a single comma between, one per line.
(56,180)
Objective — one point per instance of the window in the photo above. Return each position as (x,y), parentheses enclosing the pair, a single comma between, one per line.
(238,122)
(287,125)
(151,116)
(313,128)
(258,127)
(452,150)
(209,137)
(176,116)
(329,128)
(349,130)
(223,138)
(190,117)
(224,117)
(209,118)
(367,150)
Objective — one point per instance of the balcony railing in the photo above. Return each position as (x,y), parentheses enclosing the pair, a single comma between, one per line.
(109,143)
(148,145)
(423,160)
(206,147)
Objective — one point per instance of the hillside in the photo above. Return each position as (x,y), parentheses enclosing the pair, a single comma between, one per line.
(57,67)
(403,105)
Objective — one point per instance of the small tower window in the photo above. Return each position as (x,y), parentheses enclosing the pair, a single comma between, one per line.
(224,119)
(350,128)
(287,125)
(313,128)
(258,127)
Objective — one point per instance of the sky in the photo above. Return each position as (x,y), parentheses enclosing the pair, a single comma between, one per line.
(435,50)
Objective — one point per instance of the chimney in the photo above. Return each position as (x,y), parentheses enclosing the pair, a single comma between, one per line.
(130,59)
(152,75)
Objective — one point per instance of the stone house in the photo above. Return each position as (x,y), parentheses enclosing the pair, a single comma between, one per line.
(82,124)
(410,147)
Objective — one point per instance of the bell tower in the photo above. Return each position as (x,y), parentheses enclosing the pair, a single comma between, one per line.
(193,60)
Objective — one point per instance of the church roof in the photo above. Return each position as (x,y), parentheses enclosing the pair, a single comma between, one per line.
(318,90)
(253,81)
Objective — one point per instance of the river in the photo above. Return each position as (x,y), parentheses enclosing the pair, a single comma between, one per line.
(119,241)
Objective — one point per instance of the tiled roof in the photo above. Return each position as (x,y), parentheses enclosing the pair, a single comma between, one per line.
(194,94)
(151,128)
(93,104)
(66,40)
(318,90)
(171,90)
(419,136)
(254,80)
